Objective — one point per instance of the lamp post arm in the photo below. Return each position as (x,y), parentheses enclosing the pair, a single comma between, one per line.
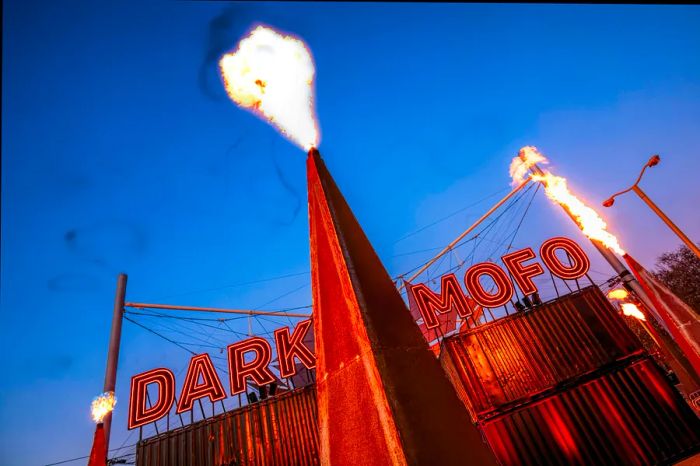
(633,187)
(622,192)
(639,178)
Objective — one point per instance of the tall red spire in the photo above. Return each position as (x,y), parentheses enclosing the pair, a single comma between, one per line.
(382,396)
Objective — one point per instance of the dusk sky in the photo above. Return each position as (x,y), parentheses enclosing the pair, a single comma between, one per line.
(122,153)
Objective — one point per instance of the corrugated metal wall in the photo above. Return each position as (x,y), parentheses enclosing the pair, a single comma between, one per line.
(516,357)
(631,416)
(278,431)
(568,383)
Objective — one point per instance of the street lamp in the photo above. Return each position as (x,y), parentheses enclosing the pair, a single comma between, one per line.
(654,160)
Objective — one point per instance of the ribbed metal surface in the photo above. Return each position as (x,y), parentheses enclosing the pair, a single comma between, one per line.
(278,431)
(631,416)
(516,357)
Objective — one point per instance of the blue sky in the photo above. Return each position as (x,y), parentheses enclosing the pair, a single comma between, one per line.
(121,153)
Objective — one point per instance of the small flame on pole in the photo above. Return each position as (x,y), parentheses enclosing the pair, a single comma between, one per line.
(618,294)
(627,308)
(631,309)
(102,405)
(592,225)
(272,75)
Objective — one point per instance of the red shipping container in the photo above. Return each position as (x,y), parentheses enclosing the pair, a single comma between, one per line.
(281,430)
(516,357)
(631,416)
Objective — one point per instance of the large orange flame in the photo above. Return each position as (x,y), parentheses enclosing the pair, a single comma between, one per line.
(555,186)
(102,405)
(272,75)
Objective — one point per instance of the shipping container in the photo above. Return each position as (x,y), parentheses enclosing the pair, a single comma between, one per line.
(631,416)
(514,358)
(281,430)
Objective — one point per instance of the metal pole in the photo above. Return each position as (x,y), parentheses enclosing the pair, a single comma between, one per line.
(173,307)
(113,353)
(465,233)
(692,246)
(631,282)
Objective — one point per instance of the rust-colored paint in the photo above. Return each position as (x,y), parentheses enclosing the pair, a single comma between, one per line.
(278,431)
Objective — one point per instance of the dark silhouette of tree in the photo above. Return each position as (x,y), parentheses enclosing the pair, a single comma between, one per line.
(679,270)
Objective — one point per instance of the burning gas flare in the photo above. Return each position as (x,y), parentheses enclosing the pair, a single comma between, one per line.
(555,186)
(272,75)
(102,405)
(630,309)
(618,293)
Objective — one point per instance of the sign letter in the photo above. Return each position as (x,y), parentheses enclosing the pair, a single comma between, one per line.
(256,369)
(192,390)
(139,414)
(504,288)
(579,261)
(522,274)
(288,348)
(450,297)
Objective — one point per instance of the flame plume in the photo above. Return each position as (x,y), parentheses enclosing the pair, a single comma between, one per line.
(102,405)
(555,186)
(630,309)
(272,75)
(618,293)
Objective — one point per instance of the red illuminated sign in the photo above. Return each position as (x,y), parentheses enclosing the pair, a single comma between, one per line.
(290,347)
(202,380)
(257,369)
(139,414)
(451,296)
(250,359)
(200,366)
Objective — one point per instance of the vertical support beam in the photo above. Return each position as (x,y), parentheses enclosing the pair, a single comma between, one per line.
(113,353)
